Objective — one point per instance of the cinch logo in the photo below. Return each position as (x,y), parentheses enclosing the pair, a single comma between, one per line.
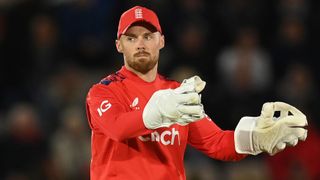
(138,13)
(166,137)
(104,106)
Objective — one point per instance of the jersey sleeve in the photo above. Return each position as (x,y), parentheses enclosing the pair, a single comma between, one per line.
(208,138)
(107,115)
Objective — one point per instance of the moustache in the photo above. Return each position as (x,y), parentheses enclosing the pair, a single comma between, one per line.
(142,53)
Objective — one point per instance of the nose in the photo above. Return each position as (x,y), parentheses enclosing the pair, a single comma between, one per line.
(140,44)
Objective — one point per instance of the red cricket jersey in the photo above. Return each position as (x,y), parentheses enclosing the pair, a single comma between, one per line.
(123,148)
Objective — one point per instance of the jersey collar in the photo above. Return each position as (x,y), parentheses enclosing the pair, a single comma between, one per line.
(131,75)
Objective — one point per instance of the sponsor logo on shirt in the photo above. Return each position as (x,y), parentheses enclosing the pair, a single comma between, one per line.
(167,137)
(104,106)
(135,103)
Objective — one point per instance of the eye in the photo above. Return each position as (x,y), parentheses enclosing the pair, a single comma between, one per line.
(148,36)
(129,38)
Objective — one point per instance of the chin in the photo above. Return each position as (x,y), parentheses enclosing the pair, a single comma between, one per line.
(144,67)
(143,59)
(143,70)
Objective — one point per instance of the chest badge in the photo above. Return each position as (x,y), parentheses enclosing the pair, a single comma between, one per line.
(134,104)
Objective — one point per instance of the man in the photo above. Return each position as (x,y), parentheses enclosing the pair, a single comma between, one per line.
(142,122)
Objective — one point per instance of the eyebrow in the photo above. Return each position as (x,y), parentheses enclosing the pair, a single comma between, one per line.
(130,34)
(134,35)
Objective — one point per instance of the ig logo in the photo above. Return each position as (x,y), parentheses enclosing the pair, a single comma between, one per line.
(104,106)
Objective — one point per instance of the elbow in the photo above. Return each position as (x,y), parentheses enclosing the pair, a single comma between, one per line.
(235,157)
(117,136)
(239,157)
(115,132)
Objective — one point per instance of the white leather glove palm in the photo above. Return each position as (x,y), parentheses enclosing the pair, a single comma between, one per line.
(266,133)
(181,105)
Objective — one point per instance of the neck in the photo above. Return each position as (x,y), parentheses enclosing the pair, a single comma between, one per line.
(148,77)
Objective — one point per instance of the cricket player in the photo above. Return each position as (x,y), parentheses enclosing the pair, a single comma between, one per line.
(142,122)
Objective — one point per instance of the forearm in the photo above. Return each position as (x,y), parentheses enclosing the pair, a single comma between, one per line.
(108,115)
(125,126)
(207,137)
(223,147)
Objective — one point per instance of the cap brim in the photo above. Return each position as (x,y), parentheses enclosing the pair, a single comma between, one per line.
(143,23)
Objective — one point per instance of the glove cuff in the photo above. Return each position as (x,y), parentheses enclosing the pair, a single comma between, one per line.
(151,116)
(243,136)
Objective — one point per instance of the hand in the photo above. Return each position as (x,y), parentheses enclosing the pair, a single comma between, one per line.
(181,105)
(193,84)
(270,134)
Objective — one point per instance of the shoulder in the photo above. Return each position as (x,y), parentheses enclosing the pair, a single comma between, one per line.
(107,84)
(116,77)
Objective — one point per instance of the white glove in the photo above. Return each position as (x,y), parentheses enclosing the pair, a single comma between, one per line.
(193,84)
(181,105)
(266,133)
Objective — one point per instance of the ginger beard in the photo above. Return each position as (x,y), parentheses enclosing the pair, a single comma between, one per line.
(143,62)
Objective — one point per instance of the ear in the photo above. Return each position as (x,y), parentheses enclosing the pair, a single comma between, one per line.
(119,46)
(162,41)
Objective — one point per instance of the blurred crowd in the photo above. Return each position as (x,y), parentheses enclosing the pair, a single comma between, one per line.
(248,51)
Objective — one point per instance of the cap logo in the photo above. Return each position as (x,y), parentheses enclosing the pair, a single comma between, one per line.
(138,13)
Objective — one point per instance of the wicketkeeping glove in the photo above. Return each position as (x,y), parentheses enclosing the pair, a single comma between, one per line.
(181,105)
(267,133)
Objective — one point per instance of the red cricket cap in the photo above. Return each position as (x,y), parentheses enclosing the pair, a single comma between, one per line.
(137,14)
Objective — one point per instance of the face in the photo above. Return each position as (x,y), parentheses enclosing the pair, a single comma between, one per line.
(140,48)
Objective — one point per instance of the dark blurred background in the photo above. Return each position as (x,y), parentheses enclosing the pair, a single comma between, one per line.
(248,51)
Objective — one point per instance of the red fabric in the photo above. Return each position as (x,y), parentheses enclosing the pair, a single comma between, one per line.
(122,148)
(300,162)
